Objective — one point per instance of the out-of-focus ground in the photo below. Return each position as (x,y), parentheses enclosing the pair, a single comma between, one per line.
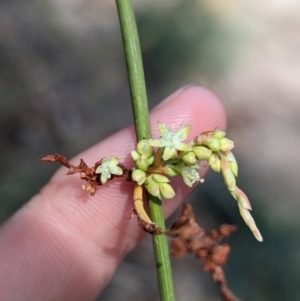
(63,76)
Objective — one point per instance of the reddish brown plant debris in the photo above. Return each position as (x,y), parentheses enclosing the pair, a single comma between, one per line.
(150,228)
(147,226)
(188,236)
(87,174)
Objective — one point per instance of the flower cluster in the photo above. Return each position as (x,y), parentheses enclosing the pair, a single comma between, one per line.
(216,149)
(170,155)
(173,158)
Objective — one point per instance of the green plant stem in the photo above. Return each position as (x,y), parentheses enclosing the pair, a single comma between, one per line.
(142,127)
(135,69)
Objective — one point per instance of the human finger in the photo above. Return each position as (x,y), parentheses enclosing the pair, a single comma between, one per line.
(66,245)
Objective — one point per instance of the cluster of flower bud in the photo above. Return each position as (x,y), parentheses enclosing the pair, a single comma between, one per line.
(216,149)
(143,157)
(158,185)
(175,157)
(215,141)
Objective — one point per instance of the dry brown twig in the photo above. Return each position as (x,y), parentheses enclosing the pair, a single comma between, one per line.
(188,236)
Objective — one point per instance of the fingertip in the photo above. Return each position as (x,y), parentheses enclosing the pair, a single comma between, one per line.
(195,105)
(207,108)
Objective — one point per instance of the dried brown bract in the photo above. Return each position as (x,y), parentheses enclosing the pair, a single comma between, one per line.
(87,174)
(188,236)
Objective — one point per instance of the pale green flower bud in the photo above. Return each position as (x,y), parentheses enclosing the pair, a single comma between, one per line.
(189,158)
(160,178)
(153,187)
(166,190)
(234,168)
(228,176)
(199,140)
(213,144)
(170,171)
(158,185)
(144,148)
(150,160)
(135,155)
(246,215)
(226,144)
(214,162)
(219,134)
(138,176)
(242,198)
(204,138)
(232,163)
(142,162)
(202,152)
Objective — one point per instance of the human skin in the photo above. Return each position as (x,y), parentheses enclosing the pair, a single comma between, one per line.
(66,245)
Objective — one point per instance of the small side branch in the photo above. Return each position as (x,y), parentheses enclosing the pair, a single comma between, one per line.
(92,178)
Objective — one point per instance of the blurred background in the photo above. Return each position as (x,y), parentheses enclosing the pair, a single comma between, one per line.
(63,76)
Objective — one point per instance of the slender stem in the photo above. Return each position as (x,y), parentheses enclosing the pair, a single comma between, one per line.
(142,126)
(161,250)
(135,69)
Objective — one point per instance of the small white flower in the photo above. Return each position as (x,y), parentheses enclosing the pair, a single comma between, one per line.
(191,175)
(108,167)
(171,140)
